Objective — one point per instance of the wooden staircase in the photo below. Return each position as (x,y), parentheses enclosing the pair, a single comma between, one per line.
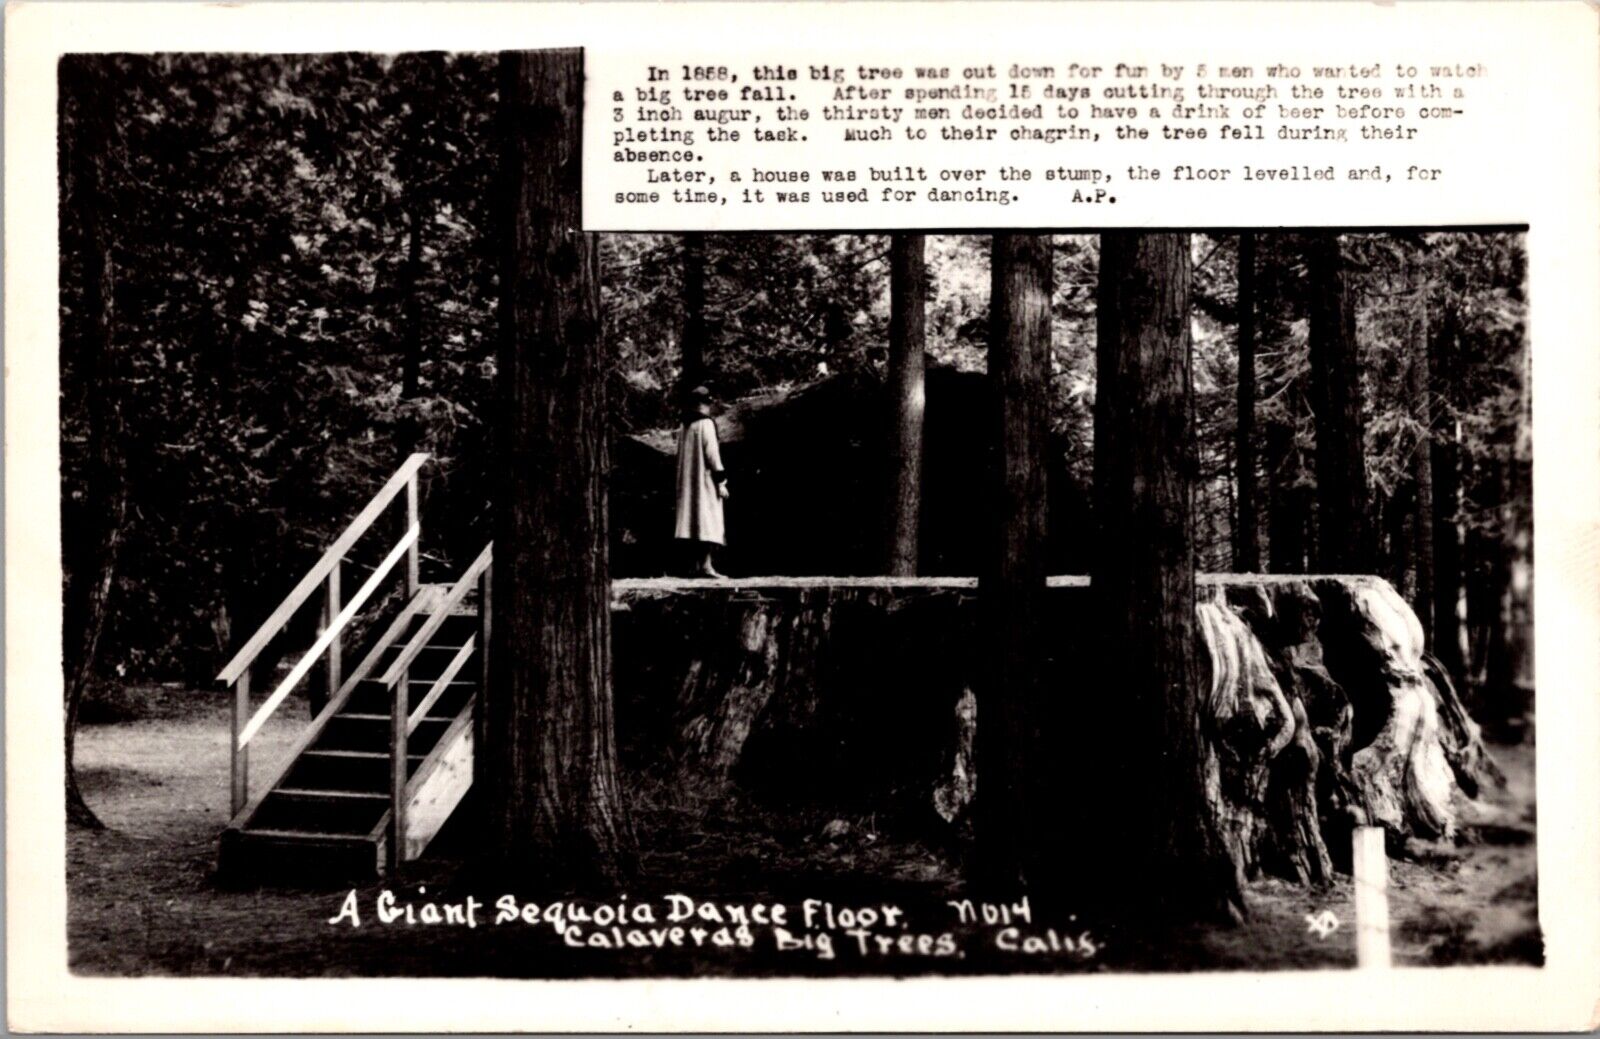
(375,776)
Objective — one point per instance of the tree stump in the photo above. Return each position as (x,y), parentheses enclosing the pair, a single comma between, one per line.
(1321,711)
(726,688)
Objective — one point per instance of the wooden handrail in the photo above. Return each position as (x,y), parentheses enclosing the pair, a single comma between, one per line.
(247,806)
(356,601)
(401,480)
(458,591)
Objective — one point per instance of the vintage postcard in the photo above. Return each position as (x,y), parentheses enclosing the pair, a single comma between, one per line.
(810,516)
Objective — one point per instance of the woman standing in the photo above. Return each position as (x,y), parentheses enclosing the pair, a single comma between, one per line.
(702,484)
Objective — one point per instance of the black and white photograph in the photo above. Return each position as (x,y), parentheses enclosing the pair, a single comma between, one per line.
(449,590)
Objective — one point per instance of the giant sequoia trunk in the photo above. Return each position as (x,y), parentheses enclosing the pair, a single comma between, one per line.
(1317,709)
(94,544)
(1247,550)
(1170,851)
(907,305)
(1342,536)
(799,688)
(1012,579)
(547,761)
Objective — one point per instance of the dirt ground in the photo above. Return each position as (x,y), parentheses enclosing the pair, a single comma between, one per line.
(143,898)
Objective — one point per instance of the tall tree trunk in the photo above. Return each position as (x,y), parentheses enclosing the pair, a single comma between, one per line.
(1011,584)
(1516,517)
(1394,527)
(92,556)
(411,276)
(1286,506)
(1501,698)
(907,306)
(1343,538)
(420,76)
(1247,550)
(694,309)
(1419,389)
(1445,615)
(1169,849)
(548,764)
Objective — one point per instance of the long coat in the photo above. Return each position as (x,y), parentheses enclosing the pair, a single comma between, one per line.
(699,505)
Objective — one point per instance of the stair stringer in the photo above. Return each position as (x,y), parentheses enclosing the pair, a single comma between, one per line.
(435,789)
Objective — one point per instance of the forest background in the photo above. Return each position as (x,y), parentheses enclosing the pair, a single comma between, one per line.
(305,292)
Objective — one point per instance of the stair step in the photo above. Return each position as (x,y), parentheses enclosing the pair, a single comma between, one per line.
(465,621)
(427,683)
(317,826)
(430,659)
(359,771)
(311,836)
(289,856)
(320,811)
(371,698)
(371,731)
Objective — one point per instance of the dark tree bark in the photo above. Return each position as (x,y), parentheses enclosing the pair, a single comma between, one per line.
(1517,531)
(1495,620)
(694,310)
(907,313)
(1247,550)
(1344,542)
(1011,584)
(93,554)
(1396,517)
(1169,851)
(548,767)
(1420,391)
(1444,617)
(1288,507)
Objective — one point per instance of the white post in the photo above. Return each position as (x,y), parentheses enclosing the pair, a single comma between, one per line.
(413,554)
(1372,898)
(400,710)
(240,779)
(332,604)
(485,628)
